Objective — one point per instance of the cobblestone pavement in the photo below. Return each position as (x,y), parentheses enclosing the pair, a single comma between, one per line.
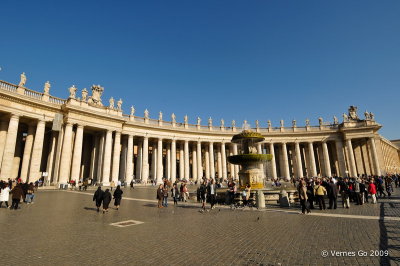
(63,228)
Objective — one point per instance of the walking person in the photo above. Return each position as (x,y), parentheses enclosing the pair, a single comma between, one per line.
(363,192)
(372,191)
(17,194)
(106,200)
(389,186)
(175,193)
(212,193)
(344,191)
(320,191)
(203,193)
(357,192)
(5,195)
(131,184)
(29,193)
(160,195)
(302,189)
(165,195)
(185,192)
(117,197)
(98,197)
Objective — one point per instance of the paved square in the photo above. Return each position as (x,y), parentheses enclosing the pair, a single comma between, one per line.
(63,228)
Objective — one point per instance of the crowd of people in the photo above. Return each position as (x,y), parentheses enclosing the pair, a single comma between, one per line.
(18,191)
(104,198)
(313,191)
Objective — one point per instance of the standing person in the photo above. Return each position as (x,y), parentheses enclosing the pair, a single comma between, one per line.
(80,184)
(203,193)
(175,193)
(320,191)
(185,192)
(85,184)
(131,184)
(372,191)
(165,195)
(17,194)
(379,187)
(212,193)
(310,193)
(117,197)
(98,197)
(29,193)
(112,185)
(357,192)
(160,195)
(389,186)
(363,192)
(181,192)
(5,195)
(332,195)
(302,188)
(344,191)
(246,194)
(231,192)
(106,200)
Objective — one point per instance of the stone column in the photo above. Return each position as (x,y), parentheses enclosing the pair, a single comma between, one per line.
(313,166)
(173,160)
(327,165)
(139,163)
(107,159)
(181,162)
(9,148)
(168,161)
(50,158)
(207,162)
(57,159)
(285,162)
(231,166)
(194,164)
(377,170)
(223,152)
(212,164)
(235,152)
(65,164)
(77,155)
(352,163)
(261,165)
(273,161)
(116,157)
(3,137)
(298,160)
(159,161)
(340,157)
(199,162)
(100,157)
(129,161)
(17,156)
(26,159)
(154,162)
(219,162)
(187,165)
(145,160)
(34,170)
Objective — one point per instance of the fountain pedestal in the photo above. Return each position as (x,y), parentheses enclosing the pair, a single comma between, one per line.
(251,174)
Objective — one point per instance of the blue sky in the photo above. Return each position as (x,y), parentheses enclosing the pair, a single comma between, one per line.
(225,59)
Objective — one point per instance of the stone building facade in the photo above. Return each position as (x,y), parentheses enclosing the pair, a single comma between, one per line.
(80,137)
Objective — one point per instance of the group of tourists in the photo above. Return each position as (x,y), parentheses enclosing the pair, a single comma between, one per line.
(104,198)
(312,191)
(177,194)
(18,191)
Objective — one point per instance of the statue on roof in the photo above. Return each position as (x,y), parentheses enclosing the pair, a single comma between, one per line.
(22,80)
(72,92)
(95,98)
(46,88)
(353,113)
(111,101)
(119,104)
(132,110)
(84,94)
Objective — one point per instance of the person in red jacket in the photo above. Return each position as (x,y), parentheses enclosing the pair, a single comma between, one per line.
(372,190)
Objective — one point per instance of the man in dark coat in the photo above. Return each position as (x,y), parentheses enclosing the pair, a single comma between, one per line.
(17,194)
(98,197)
(117,196)
(106,200)
(332,194)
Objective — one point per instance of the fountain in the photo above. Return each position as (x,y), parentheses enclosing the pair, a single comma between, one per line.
(250,160)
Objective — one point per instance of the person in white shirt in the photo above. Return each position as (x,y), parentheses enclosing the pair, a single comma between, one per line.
(4,195)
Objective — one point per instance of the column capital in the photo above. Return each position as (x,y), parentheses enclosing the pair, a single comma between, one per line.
(80,126)
(14,116)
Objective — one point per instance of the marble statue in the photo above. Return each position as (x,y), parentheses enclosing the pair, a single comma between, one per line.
(46,88)
(233,123)
(22,82)
(95,98)
(185,119)
(269,124)
(146,114)
(367,115)
(335,120)
(353,113)
(210,122)
(173,118)
(345,117)
(294,123)
(111,101)
(72,92)
(160,116)
(320,121)
(372,116)
(222,123)
(132,110)
(198,121)
(84,94)
(257,124)
(307,122)
(282,123)
(119,104)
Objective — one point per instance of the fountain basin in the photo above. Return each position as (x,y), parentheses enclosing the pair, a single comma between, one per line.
(249,158)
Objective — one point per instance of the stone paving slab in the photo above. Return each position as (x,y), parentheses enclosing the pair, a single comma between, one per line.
(64,228)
